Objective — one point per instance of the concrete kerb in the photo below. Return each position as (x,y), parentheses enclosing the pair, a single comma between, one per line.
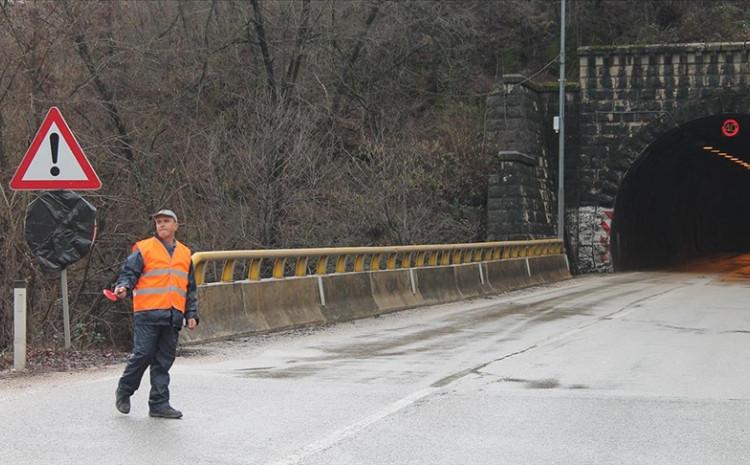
(247,307)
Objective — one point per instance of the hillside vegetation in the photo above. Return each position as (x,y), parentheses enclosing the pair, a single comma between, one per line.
(280,123)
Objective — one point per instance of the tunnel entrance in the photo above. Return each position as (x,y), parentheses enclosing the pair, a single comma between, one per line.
(686,197)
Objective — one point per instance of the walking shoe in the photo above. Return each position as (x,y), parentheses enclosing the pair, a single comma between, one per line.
(122,402)
(166,412)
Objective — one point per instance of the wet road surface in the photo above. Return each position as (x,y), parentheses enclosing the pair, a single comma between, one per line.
(636,368)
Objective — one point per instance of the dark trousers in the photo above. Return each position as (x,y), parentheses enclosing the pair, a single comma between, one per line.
(153,346)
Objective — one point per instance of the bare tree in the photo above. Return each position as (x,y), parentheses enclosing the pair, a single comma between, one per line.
(276,123)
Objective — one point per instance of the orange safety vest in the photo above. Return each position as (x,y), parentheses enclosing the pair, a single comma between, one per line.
(163,283)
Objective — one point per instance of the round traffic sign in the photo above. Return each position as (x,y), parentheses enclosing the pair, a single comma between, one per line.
(730,127)
(60,228)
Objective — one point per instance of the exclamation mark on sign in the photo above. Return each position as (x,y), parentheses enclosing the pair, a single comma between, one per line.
(54,140)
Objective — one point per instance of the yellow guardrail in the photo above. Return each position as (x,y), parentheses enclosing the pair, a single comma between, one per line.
(406,256)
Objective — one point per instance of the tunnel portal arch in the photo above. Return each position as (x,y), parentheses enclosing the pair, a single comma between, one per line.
(629,103)
(686,192)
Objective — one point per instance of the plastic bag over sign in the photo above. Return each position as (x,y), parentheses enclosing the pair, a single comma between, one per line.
(60,228)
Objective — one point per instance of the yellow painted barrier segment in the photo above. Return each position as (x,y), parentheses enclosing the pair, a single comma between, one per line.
(254,272)
(227,273)
(341,264)
(278,267)
(300,268)
(424,255)
(320,268)
(375,261)
(359,263)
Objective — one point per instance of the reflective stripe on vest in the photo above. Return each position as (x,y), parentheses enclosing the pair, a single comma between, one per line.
(163,272)
(160,290)
(164,281)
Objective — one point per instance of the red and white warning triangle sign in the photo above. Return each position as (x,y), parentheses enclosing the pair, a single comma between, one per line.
(54,160)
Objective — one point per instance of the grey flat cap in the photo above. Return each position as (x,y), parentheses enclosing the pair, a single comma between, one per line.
(165,212)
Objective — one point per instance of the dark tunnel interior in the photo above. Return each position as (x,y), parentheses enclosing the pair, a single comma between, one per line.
(686,197)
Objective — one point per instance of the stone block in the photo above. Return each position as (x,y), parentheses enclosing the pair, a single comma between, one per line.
(516,157)
(503,204)
(495,100)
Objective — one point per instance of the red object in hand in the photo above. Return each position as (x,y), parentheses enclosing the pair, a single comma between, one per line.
(110,295)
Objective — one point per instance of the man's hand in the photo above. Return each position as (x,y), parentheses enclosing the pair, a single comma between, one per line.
(192,323)
(121,292)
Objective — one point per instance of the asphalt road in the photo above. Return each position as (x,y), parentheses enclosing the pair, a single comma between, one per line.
(638,368)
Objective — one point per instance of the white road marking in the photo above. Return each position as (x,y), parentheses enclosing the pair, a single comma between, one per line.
(339,435)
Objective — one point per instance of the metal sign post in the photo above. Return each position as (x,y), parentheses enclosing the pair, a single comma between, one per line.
(561,135)
(19,325)
(66,309)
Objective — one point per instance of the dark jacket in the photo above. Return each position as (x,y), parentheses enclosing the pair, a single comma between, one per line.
(129,274)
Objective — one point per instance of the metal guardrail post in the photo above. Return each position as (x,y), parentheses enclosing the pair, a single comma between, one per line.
(65,307)
(19,325)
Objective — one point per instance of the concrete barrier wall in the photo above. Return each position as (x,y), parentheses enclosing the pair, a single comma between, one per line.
(348,296)
(470,280)
(243,307)
(549,269)
(506,275)
(393,290)
(437,284)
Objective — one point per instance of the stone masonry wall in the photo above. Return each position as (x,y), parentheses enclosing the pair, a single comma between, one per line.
(521,201)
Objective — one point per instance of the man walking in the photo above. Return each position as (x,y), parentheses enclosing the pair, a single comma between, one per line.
(159,276)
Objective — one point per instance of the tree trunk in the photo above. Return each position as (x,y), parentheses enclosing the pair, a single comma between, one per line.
(260,34)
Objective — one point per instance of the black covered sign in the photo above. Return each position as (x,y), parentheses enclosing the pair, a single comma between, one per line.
(60,228)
